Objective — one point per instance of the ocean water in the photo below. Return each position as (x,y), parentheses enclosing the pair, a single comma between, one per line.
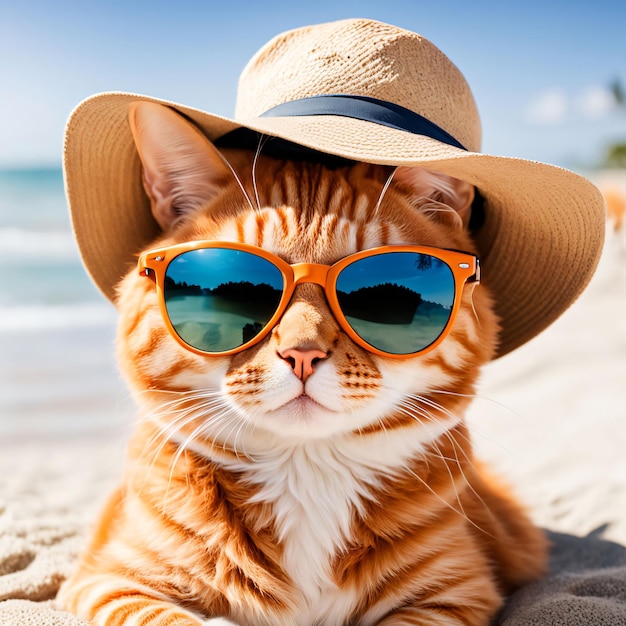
(43,283)
(57,368)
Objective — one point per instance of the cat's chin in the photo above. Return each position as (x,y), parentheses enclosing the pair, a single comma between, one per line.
(303,417)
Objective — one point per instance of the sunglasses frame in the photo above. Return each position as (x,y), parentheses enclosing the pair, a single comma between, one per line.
(465,268)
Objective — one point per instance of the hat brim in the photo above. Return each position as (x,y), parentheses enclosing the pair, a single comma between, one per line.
(539,245)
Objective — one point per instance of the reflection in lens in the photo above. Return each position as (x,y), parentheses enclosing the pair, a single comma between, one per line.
(218,299)
(398,302)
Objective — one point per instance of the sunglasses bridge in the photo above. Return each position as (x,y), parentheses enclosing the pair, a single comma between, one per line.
(310,273)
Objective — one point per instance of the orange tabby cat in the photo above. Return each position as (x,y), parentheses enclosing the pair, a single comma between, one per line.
(304,480)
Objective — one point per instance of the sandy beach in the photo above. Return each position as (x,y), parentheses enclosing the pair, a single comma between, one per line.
(550,417)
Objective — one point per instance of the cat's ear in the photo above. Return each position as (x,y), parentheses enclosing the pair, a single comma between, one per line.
(441,189)
(182,170)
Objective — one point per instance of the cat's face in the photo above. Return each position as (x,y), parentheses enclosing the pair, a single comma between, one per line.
(301,213)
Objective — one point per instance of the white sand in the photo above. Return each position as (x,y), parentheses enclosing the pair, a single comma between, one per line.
(551,417)
(560,430)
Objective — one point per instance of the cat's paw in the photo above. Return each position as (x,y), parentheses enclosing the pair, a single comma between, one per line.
(219,621)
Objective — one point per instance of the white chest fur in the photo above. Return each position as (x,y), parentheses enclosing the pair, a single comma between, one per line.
(315,489)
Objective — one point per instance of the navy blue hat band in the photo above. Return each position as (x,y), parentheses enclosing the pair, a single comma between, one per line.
(366,109)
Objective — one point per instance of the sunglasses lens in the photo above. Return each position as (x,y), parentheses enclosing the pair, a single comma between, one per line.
(398,302)
(218,299)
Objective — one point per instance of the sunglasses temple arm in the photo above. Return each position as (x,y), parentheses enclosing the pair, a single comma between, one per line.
(476,277)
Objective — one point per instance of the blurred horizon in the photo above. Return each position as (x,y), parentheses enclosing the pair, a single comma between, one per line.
(544,75)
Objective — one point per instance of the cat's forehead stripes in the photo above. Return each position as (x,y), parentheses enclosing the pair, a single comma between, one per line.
(321,239)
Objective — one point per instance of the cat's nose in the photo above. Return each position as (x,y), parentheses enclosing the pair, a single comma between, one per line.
(302,360)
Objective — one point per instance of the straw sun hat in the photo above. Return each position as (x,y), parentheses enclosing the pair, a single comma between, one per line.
(365,91)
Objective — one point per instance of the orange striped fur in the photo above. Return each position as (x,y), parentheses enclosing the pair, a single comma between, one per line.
(254,498)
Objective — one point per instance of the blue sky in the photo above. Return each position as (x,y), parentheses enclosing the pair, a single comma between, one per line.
(225,266)
(539,70)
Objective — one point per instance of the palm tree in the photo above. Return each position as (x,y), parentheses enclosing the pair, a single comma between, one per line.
(616,152)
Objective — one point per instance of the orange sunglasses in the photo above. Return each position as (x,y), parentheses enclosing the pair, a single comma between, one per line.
(219,298)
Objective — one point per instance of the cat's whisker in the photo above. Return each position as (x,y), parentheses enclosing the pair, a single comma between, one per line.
(238,181)
(434,206)
(471,464)
(417,412)
(409,412)
(424,413)
(223,420)
(236,427)
(182,449)
(163,431)
(183,416)
(165,408)
(180,414)
(262,141)
(424,401)
(178,395)
(216,424)
(245,426)
(412,408)
(434,493)
(381,422)
(166,434)
(455,393)
(421,413)
(456,447)
(475,429)
(437,452)
(183,446)
(384,190)
(417,401)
